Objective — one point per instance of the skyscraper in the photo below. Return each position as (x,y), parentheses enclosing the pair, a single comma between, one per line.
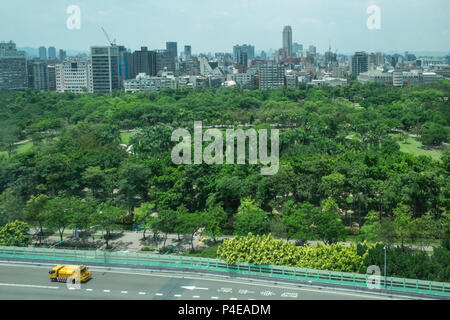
(187,52)
(74,75)
(43,53)
(165,60)
(359,63)
(172,47)
(51,52)
(105,69)
(249,49)
(13,67)
(287,41)
(62,55)
(142,61)
(38,74)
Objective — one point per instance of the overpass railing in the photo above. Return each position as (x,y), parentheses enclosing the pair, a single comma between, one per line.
(172,261)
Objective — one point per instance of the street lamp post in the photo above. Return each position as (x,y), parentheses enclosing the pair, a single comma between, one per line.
(385,267)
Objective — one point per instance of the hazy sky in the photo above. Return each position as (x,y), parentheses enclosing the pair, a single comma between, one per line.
(215,26)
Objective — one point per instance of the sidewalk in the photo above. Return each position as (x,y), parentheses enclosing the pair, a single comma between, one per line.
(132,241)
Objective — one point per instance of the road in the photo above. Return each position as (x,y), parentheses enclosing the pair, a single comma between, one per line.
(18,281)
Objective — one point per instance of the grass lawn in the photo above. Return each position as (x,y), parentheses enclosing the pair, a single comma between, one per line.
(415,147)
(125,137)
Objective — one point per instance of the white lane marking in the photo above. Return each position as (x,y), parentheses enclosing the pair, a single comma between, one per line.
(106,290)
(194,288)
(195,296)
(26,286)
(88,289)
(123,291)
(214,297)
(289,295)
(158,294)
(141,292)
(177,295)
(233,298)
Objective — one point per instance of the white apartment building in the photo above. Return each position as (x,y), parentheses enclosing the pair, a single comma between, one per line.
(74,75)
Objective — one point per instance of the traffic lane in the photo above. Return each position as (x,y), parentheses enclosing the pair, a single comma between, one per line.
(127,284)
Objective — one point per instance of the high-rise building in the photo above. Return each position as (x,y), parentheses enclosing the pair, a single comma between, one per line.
(359,63)
(312,51)
(51,52)
(249,49)
(172,47)
(379,59)
(187,52)
(243,59)
(38,74)
(287,41)
(13,67)
(142,61)
(165,60)
(62,55)
(43,53)
(124,64)
(105,68)
(297,47)
(271,75)
(51,67)
(74,75)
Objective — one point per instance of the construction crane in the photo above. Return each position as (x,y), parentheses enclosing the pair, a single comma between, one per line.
(112,43)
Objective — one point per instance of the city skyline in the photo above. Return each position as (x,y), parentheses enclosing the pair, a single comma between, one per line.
(218,28)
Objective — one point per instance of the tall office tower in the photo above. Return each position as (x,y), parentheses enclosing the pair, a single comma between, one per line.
(165,60)
(287,41)
(379,57)
(142,61)
(249,49)
(243,59)
(38,74)
(263,55)
(51,52)
(51,67)
(13,67)
(312,51)
(124,64)
(297,47)
(359,63)
(62,55)
(187,52)
(330,57)
(271,75)
(74,75)
(43,53)
(105,69)
(172,47)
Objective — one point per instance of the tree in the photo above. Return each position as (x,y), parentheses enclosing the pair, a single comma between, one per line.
(213,220)
(297,219)
(250,219)
(143,216)
(11,206)
(106,218)
(58,213)
(402,222)
(15,234)
(190,223)
(166,222)
(328,226)
(34,212)
(433,134)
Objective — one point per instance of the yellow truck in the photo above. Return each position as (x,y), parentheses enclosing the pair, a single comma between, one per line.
(64,273)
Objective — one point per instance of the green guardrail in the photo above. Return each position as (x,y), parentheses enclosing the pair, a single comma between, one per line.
(145,259)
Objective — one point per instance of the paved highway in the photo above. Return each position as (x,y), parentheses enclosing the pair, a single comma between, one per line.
(18,281)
